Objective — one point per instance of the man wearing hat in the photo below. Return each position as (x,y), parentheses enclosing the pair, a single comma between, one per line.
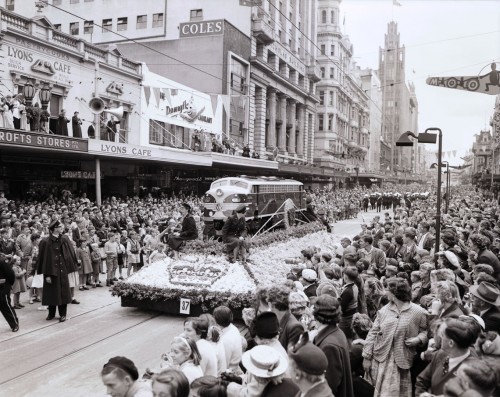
(309,280)
(485,302)
(332,341)
(120,376)
(189,230)
(234,233)
(266,328)
(56,260)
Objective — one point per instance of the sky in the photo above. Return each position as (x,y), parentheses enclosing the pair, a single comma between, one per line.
(442,38)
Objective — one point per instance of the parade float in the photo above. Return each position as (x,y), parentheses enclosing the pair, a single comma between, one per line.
(203,278)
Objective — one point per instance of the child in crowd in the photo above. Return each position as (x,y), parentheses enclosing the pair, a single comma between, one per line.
(20,283)
(95,258)
(158,254)
(84,264)
(416,286)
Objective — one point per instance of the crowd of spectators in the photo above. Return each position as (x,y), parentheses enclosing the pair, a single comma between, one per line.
(390,312)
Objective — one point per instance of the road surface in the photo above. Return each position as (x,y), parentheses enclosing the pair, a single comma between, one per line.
(48,358)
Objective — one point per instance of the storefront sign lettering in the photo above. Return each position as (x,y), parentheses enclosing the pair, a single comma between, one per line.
(43,141)
(201,28)
(23,59)
(188,111)
(287,56)
(40,48)
(120,149)
(78,174)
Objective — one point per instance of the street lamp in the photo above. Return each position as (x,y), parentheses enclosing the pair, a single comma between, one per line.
(34,112)
(447,172)
(425,137)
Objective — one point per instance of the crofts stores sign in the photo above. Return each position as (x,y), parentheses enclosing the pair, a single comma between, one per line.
(43,141)
(201,28)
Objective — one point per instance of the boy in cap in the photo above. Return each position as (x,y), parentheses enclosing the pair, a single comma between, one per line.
(120,376)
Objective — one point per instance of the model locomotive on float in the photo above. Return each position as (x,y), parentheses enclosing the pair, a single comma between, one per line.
(263,196)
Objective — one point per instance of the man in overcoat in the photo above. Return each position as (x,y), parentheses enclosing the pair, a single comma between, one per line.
(56,259)
(234,233)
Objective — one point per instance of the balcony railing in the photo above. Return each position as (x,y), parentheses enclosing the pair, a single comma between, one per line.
(353,123)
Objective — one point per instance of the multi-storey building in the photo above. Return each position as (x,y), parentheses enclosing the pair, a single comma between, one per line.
(259,60)
(371,85)
(342,133)
(400,107)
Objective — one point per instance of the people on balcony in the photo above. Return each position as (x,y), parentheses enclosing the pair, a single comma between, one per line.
(76,124)
(62,123)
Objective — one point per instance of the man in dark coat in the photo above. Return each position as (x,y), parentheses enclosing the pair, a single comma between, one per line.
(332,341)
(234,233)
(485,302)
(189,231)
(7,278)
(111,130)
(56,259)
(62,124)
(76,124)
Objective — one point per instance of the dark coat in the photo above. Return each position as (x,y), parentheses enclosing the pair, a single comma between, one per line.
(57,264)
(62,126)
(320,390)
(291,329)
(428,243)
(189,231)
(338,375)
(285,388)
(76,125)
(432,379)
(7,275)
(234,227)
(492,319)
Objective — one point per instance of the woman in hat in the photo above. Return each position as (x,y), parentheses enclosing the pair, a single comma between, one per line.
(234,233)
(308,365)
(189,231)
(265,370)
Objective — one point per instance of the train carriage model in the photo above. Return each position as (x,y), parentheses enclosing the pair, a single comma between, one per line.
(262,194)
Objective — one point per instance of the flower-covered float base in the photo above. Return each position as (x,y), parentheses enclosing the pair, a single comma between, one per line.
(207,279)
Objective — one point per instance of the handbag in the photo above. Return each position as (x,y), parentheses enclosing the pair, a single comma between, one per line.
(37,281)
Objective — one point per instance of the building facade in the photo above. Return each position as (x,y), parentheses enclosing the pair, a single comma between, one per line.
(400,106)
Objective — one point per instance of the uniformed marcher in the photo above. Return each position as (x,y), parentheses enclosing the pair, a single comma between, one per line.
(7,278)
(56,259)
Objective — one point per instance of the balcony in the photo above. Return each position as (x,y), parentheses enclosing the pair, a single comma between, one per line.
(314,73)
(262,31)
(364,130)
(353,123)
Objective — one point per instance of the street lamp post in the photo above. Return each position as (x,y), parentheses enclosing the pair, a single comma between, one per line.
(425,137)
(447,189)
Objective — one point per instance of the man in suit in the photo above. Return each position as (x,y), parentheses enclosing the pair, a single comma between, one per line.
(332,341)
(377,233)
(275,299)
(375,256)
(234,233)
(425,240)
(457,338)
(485,302)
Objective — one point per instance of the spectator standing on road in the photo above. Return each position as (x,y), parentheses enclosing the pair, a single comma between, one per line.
(7,278)
(56,259)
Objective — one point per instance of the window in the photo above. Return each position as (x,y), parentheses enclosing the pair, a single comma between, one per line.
(74,28)
(57,27)
(156,132)
(88,27)
(121,24)
(323,49)
(107,25)
(88,1)
(142,22)
(332,50)
(320,122)
(196,15)
(10,5)
(323,16)
(322,97)
(57,2)
(157,20)
(330,98)
(322,73)
(74,1)
(332,16)
(332,73)
(330,122)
